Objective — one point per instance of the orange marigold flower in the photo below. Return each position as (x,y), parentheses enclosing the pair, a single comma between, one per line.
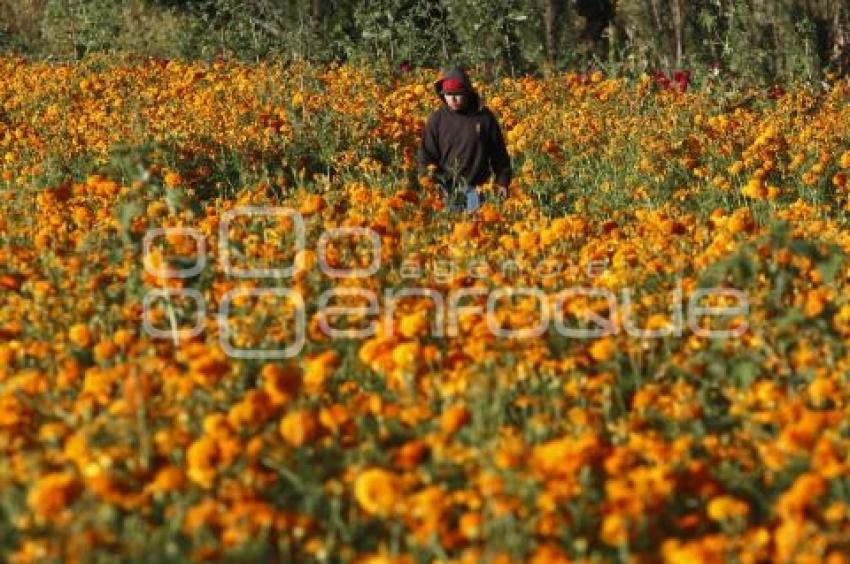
(454,418)
(122,338)
(615,530)
(202,457)
(80,335)
(414,324)
(281,382)
(167,479)
(52,493)
(319,369)
(375,490)
(313,203)
(725,507)
(603,349)
(172,179)
(299,427)
(406,355)
(104,350)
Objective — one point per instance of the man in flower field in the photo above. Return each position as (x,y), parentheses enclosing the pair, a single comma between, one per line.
(462,144)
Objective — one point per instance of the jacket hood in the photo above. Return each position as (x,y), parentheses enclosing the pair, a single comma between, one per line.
(458,73)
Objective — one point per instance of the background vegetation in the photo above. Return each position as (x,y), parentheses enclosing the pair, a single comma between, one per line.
(753,40)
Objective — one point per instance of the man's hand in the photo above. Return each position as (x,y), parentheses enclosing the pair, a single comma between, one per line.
(501,192)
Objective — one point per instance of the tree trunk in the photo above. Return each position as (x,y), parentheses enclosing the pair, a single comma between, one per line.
(319,12)
(678,30)
(659,33)
(554,19)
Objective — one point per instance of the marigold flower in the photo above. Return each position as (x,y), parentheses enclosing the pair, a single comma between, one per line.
(172,179)
(414,324)
(104,350)
(52,493)
(80,335)
(603,349)
(313,203)
(724,507)
(281,382)
(406,355)
(168,479)
(375,490)
(319,369)
(299,427)
(203,459)
(615,531)
(453,418)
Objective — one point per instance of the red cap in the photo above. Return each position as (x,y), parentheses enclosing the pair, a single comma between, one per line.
(453,85)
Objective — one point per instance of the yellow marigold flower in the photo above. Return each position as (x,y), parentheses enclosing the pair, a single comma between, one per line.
(528,240)
(414,324)
(564,456)
(724,507)
(470,525)
(299,427)
(202,458)
(217,426)
(375,490)
(406,355)
(172,179)
(815,303)
(454,418)
(755,189)
(464,231)
(52,493)
(615,530)
(319,369)
(334,418)
(822,389)
(122,338)
(204,513)
(507,242)
(549,554)
(104,350)
(313,203)
(787,539)
(836,512)
(603,349)
(80,335)
(254,409)
(305,260)
(167,479)
(804,492)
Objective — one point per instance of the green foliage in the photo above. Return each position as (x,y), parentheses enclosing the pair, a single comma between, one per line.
(761,42)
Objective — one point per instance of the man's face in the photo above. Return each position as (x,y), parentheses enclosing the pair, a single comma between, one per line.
(456,101)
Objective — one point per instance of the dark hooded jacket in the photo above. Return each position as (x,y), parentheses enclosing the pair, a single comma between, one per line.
(467,146)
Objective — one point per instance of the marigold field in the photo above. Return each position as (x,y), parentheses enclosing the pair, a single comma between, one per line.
(126,435)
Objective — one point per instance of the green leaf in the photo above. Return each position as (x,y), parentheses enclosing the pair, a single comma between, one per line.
(745,372)
(830,266)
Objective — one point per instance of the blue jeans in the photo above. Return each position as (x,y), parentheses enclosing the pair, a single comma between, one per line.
(466,198)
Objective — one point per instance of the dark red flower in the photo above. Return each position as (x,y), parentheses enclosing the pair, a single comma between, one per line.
(661,79)
(776,91)
(682,78)
(405,66)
